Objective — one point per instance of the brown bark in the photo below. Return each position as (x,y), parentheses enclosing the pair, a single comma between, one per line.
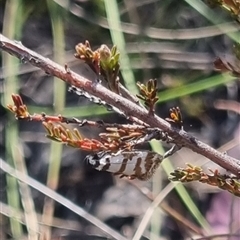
(181,137)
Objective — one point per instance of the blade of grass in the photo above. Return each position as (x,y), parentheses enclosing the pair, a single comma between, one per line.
(13,197)
(13,14)
(63,224)
(59,91)
(153,32)
(194,87)
(147,216)
(209,14)
(60,199)
(181,190)
(113,16)
(26,196)
(157,216)
(118,38)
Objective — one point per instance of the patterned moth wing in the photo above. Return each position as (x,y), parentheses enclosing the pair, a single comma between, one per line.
(132,164)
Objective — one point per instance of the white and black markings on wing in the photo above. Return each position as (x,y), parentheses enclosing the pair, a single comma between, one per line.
(132,164)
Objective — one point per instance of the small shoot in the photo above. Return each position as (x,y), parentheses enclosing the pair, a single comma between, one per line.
(73,138)
(175,117)
(103,61)
(109,66)
(148,93)
(19,108)
(214,178)
(90,57)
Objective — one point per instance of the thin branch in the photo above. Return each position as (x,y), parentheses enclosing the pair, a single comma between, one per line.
(181,137)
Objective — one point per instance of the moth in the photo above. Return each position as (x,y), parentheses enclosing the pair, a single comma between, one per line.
(132,164)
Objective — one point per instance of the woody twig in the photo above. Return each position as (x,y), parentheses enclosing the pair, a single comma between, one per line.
(128,107)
